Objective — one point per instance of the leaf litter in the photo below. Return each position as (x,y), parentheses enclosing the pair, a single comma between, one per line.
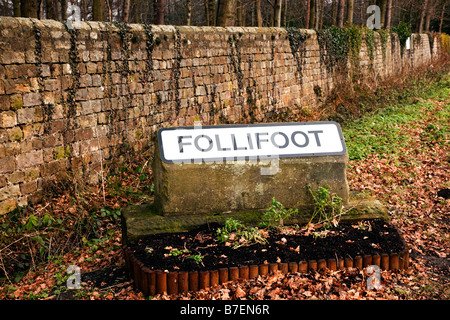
(406,181)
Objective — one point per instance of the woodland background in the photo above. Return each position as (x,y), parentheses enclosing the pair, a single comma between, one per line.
(423,16)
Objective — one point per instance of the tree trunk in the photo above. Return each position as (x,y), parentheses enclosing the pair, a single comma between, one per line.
(41,9)
(285,13)
(226,14)
(350,6)
(259,19)
(126,11)
(319,11)
(383,5)
(212,12)
(238,22)
(308,14)
(334,12)
(159,19)
(16,8)
(277,14)
(98,10)
(340,16)
(61,10)
(387,21)
(442,16)
(29,8)
(422,15)
(321,15)
(83,10)
(207,16)
(429,14)
(189,10)
(312,14)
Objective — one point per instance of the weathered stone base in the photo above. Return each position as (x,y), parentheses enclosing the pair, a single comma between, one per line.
(239,186)
(143,220)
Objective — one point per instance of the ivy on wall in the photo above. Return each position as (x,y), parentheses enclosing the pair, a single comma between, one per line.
(403,30)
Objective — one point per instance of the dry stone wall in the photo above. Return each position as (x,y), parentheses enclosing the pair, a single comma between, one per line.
(70,99)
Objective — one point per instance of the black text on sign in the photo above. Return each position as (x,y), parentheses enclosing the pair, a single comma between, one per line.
(243,142)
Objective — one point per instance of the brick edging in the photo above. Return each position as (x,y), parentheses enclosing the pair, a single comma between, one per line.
(151,282)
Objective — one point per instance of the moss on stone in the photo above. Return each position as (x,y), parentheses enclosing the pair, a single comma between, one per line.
(61,152)
(16,102)
(15,134)
(139,221)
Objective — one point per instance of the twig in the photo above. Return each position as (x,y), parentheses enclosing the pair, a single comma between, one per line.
(101,165)
(141,173)
(116,285)
(4,270)
(37,211)
(25,236)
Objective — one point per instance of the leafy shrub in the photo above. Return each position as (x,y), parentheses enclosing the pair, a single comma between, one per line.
(237,234)
(403,30)
(327,207)
(276,214)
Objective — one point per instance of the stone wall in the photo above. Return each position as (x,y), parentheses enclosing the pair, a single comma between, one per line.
(70,98)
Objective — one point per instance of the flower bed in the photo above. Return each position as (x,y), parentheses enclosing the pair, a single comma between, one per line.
(194,260)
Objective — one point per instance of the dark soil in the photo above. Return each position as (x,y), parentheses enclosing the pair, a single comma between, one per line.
(346,240)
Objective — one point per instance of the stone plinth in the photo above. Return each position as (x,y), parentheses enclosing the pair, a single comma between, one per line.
(204,188)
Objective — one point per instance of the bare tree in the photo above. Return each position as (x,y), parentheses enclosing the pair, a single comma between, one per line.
(387,20)
(16,8)
(350,6)
(189,11)
(334,12)
(226,13)
(126,11)
(429,14)
(212,10)
(422,15)
(312,14)
(259,19)
(444,4)
(159,19)
(319,12)
(382,4)
(308,14)
(277,14)
(340,15)
(29,8)
(98,10)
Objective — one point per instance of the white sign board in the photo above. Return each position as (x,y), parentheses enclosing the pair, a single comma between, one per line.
(246,142)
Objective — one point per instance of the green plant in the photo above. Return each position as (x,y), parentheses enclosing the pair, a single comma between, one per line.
(108,212)
(327,207)
(277,213)
(354,34)
(384,36)
(198,258)
(403,30)
(333,47)
(445,42)
(237,234)
(297,42)
(27,238)
(178,252)
(370,42)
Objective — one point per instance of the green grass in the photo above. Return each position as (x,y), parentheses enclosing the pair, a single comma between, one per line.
(382,131)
